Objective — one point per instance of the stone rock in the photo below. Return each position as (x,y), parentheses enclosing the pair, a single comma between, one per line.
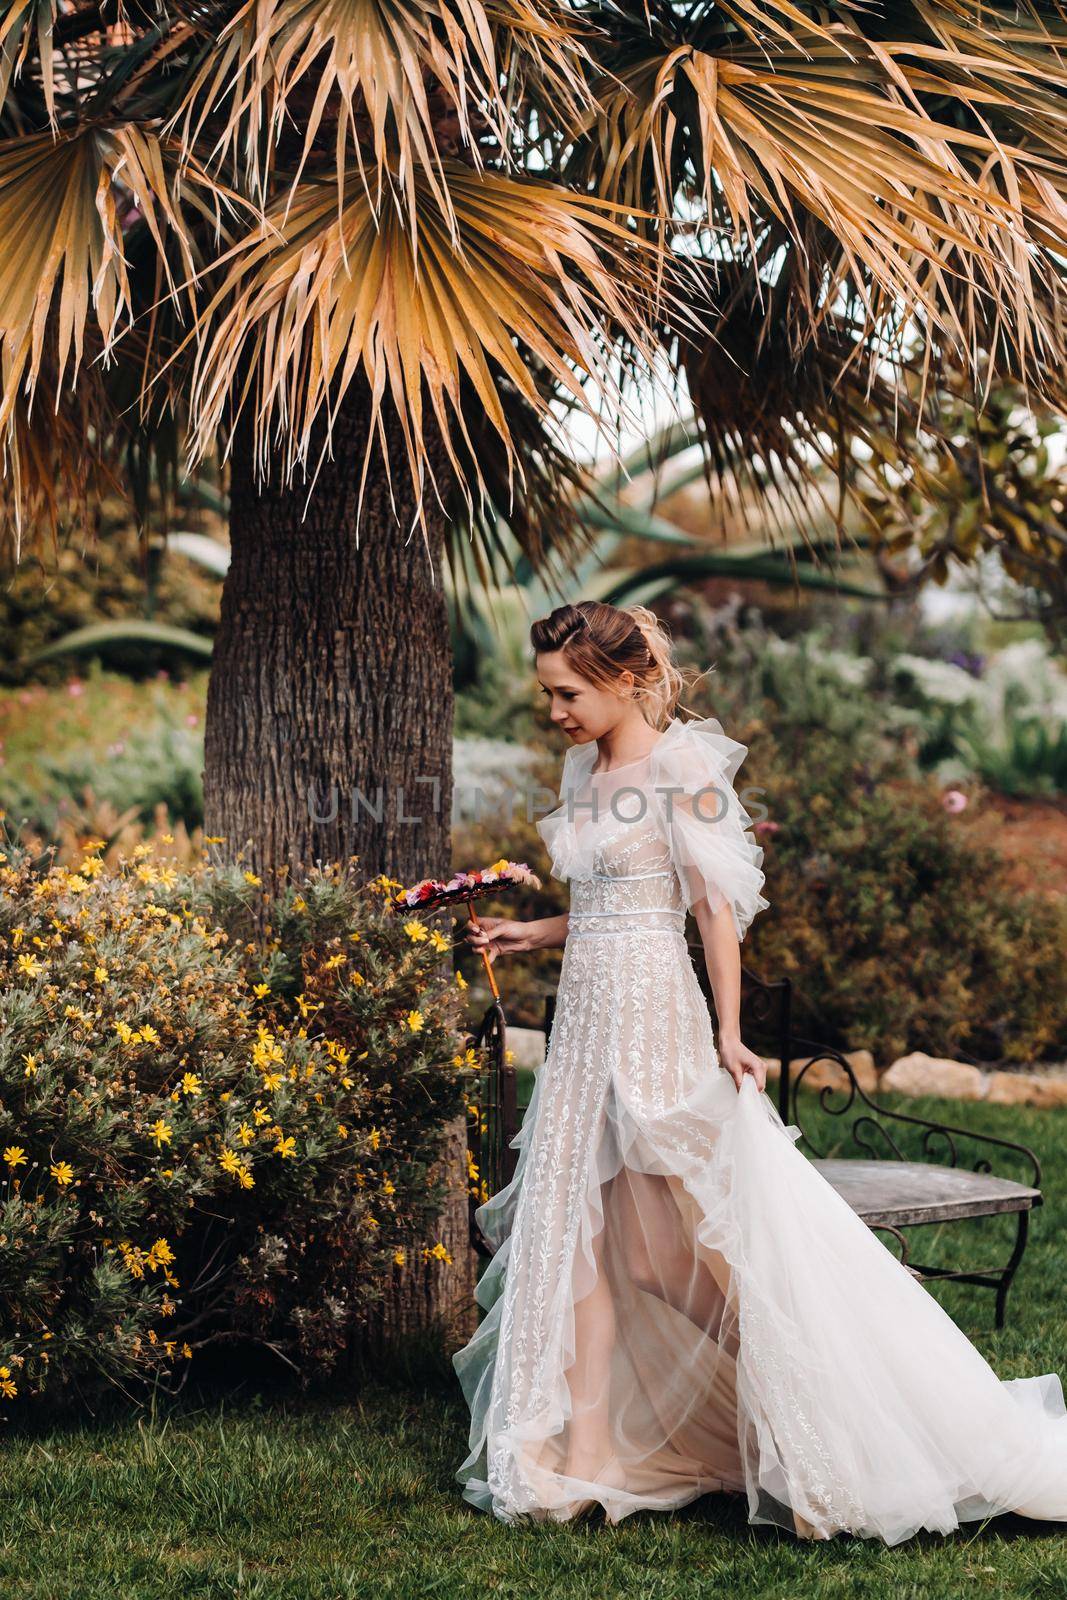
(919,1074)
(1027,1089)
(828,1074)
(527,1046)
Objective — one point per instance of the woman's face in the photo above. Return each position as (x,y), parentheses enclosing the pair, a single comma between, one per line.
(583,711)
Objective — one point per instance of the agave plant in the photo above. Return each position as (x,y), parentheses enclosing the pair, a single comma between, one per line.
(369,254)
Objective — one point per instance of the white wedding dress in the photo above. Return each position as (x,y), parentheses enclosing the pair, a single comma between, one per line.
(678,1301)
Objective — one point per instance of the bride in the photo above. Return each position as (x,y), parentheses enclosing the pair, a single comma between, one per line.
(678,1302)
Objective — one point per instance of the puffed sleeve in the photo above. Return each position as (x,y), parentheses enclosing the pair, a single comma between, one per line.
(715,855)
(557,828)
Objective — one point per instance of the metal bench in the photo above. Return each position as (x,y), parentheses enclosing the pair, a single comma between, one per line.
(907,1171)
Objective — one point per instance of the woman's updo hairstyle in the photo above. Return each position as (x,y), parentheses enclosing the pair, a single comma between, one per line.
(601,641)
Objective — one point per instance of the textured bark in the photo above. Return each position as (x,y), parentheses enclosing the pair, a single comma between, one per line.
(436,1295)
(332,677)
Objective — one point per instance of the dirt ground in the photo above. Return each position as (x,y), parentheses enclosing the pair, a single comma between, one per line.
(1030,834)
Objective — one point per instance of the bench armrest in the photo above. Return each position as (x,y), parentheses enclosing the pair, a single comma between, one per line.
(869,1124)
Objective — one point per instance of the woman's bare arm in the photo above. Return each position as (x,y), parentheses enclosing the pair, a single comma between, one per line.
(508,936)
(722,957)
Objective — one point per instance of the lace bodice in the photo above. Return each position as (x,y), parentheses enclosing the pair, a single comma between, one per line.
(632,883)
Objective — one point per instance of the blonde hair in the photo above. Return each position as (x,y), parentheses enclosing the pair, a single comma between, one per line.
(601,641)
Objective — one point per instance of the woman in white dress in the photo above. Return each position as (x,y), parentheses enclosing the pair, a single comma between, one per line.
(678,1302)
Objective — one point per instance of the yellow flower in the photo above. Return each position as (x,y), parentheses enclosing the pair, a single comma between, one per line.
(400,1257)
(334,961)
(62,1172)
(461,982)
(245,1134)
(8,1389)
(261,990)
(32,1063)
(342,1131)
(416,931)
(300,904)
(415,1020)
(29,966)
(224,1098)
(285,1147)
(266,1051)
(388,1187)
(438,940)
(101,974)
(245,1178)
(272,1081)
(15,1156)
(251,878)
(260,1116)
(161,1132)
(186,1351)
(437,1253)
(374,1138)
(161,1253)
(149,1034)
(228,1161)
(190,1084)
(133,1258)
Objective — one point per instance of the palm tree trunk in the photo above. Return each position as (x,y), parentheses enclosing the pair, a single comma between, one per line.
(330,697)
(331,683)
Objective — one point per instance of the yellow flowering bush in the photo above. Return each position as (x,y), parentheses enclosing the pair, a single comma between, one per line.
(206,1134)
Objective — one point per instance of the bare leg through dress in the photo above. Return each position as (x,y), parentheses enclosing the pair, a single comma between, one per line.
(649,1241)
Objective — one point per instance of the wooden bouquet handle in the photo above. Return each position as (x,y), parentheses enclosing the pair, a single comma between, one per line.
(485,954)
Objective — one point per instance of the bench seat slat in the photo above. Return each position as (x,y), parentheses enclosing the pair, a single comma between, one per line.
(901,1192)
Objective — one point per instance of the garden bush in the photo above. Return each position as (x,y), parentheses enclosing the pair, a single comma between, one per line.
(900,929)
(205,1136)
(115,750)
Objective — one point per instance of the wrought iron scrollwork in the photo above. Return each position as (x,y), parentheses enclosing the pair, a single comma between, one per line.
(494,1122)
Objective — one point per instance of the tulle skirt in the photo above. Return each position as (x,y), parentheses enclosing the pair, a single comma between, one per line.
(679,1304)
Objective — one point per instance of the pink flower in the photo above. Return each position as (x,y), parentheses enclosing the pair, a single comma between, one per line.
(75,687)
(954,801)
(191,719)
(760,828)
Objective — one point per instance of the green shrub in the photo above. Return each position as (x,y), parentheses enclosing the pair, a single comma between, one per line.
(113,579)
(900,930)
(205,1136)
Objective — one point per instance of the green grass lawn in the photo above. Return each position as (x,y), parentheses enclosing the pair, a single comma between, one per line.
(352,1493)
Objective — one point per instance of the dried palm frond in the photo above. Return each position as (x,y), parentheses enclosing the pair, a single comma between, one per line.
(325,290)
(409,83)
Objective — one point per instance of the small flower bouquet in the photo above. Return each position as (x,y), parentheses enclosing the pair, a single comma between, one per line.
(432,894)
